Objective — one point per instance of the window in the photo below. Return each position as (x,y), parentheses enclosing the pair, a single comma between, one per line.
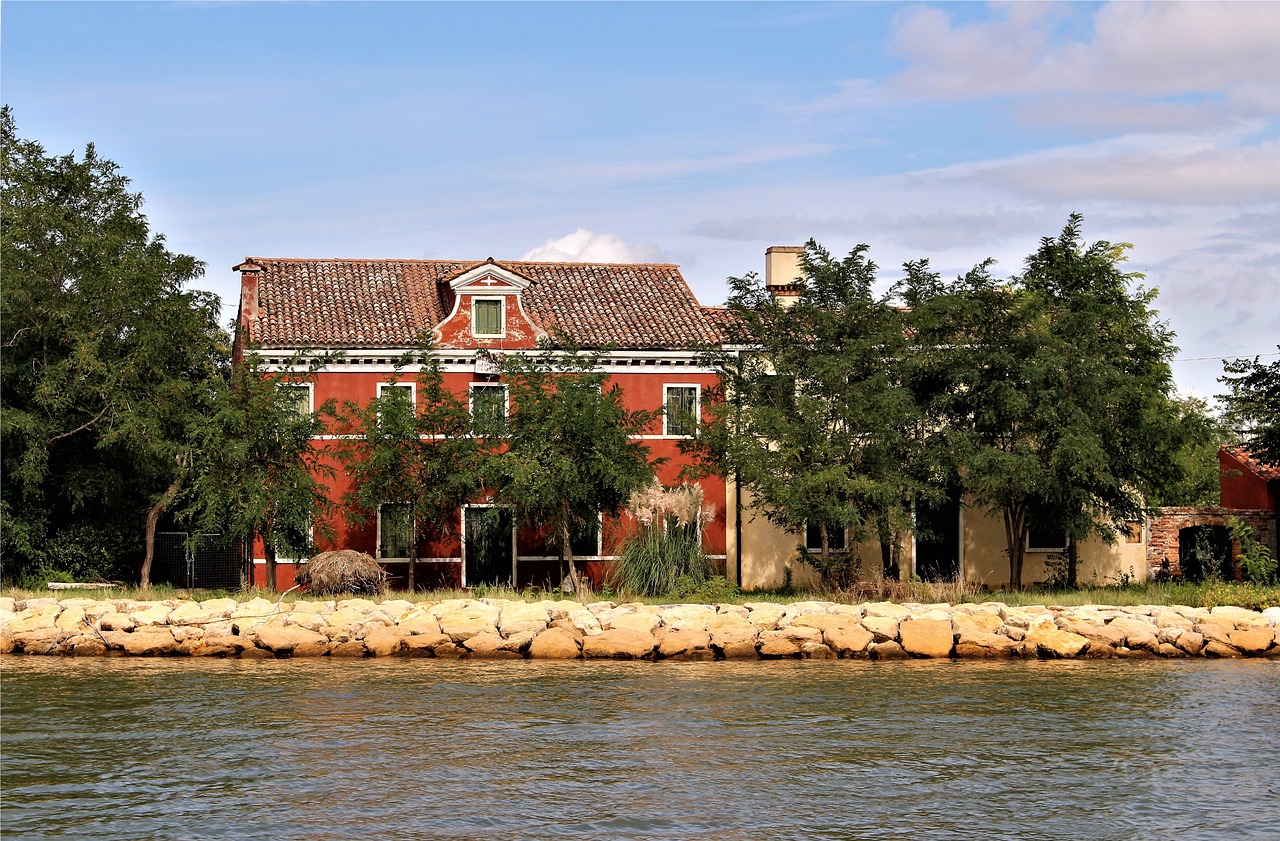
(297,397)
(395,530)
(837,538)
(1042,539)
(488,407)
(486,317)
(397,400)
(295,544)
(680,415)
(584,538)
(1133,531)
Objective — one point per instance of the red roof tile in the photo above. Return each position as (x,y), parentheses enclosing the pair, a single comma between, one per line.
(388,303)
(1263,470)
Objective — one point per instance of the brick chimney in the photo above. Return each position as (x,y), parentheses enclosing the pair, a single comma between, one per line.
(781,271)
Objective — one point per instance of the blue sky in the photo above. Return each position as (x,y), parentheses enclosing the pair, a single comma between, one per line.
(698,134)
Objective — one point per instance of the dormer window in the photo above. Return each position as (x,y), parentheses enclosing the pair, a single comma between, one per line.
(487,320)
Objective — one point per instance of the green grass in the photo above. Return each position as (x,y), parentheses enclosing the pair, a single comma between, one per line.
(717,590)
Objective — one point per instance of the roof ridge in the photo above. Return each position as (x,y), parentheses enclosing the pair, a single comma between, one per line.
(450,261)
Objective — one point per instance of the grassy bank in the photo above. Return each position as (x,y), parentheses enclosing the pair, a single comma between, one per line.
(1208,594)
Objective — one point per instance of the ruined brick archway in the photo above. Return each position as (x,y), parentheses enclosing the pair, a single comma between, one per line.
(1162,545)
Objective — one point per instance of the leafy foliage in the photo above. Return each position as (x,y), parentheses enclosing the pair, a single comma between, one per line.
(1253,405)
(1052,393)
(569,448)
(421,455)
(816,419)
(109,364)
(256,472)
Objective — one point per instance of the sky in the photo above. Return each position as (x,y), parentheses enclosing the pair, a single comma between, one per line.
(689,133)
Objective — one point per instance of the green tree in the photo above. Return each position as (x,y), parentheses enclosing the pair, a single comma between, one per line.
(569,450)
(1054,393)
(422,456)
(256,471)
(816,419)
(1201,434)
(109,364)
(1253,406)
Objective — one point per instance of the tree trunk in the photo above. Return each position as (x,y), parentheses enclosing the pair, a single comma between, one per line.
(269,550)
(413,555)
(153,517)
(1073,563)
(1015,522)
(566,556)
(826,552)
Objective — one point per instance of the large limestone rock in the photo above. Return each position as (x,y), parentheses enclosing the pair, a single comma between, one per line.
(643,623)
(848,641)
(306,619)
(884,628)
(1137,633)
(384,640)
(430,645)
(687,617)
(1253,641)
(729,629)
(1113,635)
(71,619)
(1243,618)
(887,651)
(290,641)
(585,622)
(39,640)
(975,623)
(983,644)
(419,621)
(521,617)
(686,645)
(350,648)
(764,615)
(824,621)
(779,644)
(39,618)
(465,623)
(1190,642)
(886,610)
(618,644)
(1051,642)
(489,646)
(554,644)
(151,641)
(926,637)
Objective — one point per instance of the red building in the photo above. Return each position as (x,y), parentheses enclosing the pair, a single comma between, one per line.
(374,310)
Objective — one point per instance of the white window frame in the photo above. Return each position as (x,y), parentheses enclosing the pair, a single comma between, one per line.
(311,394)
(1047,549)
(413,532)
(697,408)
(502,316)
(844,550)
(515,536)
(413,393)
(311,538)
(471,399)
(599,553)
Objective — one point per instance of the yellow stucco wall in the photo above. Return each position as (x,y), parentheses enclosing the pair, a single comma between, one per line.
(767,551)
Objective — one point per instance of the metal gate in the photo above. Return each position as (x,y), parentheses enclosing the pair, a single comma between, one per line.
(211,564)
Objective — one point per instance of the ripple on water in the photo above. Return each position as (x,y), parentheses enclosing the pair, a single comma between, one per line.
(127,748)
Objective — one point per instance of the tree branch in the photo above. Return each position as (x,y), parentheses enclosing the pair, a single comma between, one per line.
(81,427)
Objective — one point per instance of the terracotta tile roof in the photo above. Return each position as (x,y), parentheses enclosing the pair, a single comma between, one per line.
(375,303)
(1269,472)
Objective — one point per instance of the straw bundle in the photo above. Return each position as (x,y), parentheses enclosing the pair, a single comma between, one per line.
(343,571)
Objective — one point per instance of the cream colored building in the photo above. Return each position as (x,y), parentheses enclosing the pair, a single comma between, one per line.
(967,543)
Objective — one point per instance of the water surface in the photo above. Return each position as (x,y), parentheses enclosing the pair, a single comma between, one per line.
(332,749)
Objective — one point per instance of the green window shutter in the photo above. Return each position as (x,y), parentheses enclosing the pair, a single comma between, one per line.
(488,316)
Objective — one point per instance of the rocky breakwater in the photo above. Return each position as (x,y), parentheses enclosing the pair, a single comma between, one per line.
(492,628)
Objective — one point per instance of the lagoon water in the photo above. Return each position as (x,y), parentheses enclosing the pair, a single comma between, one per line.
(114,748)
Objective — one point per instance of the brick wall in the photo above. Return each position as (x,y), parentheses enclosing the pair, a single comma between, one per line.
(1162,544)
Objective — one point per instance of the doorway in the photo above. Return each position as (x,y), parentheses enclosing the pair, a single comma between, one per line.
(488,550)
(1204,552)
(938,539)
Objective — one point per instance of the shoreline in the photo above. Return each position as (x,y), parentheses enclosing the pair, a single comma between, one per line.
(505,629)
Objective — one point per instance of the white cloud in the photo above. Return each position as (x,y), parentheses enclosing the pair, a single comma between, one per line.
(583,246)
(1147,49)
(1137,168)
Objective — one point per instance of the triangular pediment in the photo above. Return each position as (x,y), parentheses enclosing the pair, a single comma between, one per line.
(491,279)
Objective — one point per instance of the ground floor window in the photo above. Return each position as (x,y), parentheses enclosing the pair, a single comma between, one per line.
(584,538)
(395,530)
(837,537)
